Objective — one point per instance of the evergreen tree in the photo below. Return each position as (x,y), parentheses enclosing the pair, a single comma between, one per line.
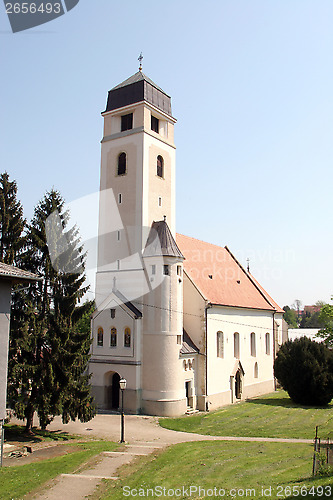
(49,354)
(12,222)
(304,369)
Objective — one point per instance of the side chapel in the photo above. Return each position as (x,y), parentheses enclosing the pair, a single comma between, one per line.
(180,319)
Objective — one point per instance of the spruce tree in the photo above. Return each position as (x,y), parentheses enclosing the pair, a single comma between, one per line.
(51,355)
(12,222)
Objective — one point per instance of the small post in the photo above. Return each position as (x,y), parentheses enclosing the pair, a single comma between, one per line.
(2,440)
(314,463)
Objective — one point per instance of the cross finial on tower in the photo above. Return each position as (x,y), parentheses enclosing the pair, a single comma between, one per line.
(140,59)
(248,265)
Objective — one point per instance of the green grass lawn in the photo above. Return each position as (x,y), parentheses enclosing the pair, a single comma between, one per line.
(242,469)
(273,415)
(17,481)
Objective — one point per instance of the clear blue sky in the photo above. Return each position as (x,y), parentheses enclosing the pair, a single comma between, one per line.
(252,88)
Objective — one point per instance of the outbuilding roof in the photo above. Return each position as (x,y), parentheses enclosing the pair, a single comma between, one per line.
(15,274)
(220,278)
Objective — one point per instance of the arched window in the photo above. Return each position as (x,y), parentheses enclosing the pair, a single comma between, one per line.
(100,337)
(127,337)
(236,345)
(256,370)
(268,343)
(160,166)
(253,344)
(121,164)
(113,338)
(220,344)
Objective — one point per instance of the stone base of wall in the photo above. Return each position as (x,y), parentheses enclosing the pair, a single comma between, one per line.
(225,398)
(132,399)
(164,408)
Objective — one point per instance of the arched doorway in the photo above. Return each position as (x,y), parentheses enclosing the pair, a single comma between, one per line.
(238,385)
(113,389)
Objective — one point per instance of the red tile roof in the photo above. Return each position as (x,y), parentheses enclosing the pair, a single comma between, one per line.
(220,278)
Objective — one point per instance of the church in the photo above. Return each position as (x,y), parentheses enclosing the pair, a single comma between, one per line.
(180,319)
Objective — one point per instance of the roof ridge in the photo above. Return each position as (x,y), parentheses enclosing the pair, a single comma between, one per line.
(252,279)
(202,241)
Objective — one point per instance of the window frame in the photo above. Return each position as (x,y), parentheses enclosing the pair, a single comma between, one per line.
(220,344)
(253,346)
(268,344)
(122,164)
(160,166)
(100,335)
(236,345)
(113,335)
(127,334)
(126,122)
(155,124)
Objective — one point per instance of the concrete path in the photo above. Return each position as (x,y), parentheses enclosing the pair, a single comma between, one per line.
(143,436)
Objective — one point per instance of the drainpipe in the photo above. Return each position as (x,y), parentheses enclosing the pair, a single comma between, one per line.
(208,306)
(274,353)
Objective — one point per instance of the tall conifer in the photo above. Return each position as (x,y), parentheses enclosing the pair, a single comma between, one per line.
(12,222)
(50,355)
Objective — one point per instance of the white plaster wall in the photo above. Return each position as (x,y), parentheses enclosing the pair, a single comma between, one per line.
(244,321)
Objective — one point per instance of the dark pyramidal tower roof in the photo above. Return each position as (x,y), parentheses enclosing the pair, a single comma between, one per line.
(138,88)
(161,242)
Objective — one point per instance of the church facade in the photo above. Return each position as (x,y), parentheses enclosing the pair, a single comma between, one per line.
(178,318)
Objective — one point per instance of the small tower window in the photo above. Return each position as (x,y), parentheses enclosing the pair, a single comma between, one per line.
(159,201)
(127,122)
(155,124)
(113,339)
(127,337)
(121,170)
(120,199)
(100,337)
(113,313)
(166,270)
(179,270)
(160,166)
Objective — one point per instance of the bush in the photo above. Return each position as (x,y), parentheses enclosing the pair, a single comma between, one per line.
(304,368)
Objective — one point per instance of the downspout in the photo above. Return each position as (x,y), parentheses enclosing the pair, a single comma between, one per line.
(208,306)
(274,353)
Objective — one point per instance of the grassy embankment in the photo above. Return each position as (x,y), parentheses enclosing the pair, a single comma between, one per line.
(237,467)
(274,415)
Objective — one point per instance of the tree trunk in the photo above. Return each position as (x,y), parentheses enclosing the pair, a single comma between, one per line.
(30,417)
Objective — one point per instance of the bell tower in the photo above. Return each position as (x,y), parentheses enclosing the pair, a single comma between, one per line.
(137,182)
(138,323)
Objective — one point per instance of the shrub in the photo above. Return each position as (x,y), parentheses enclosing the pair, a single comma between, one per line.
(304,368)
